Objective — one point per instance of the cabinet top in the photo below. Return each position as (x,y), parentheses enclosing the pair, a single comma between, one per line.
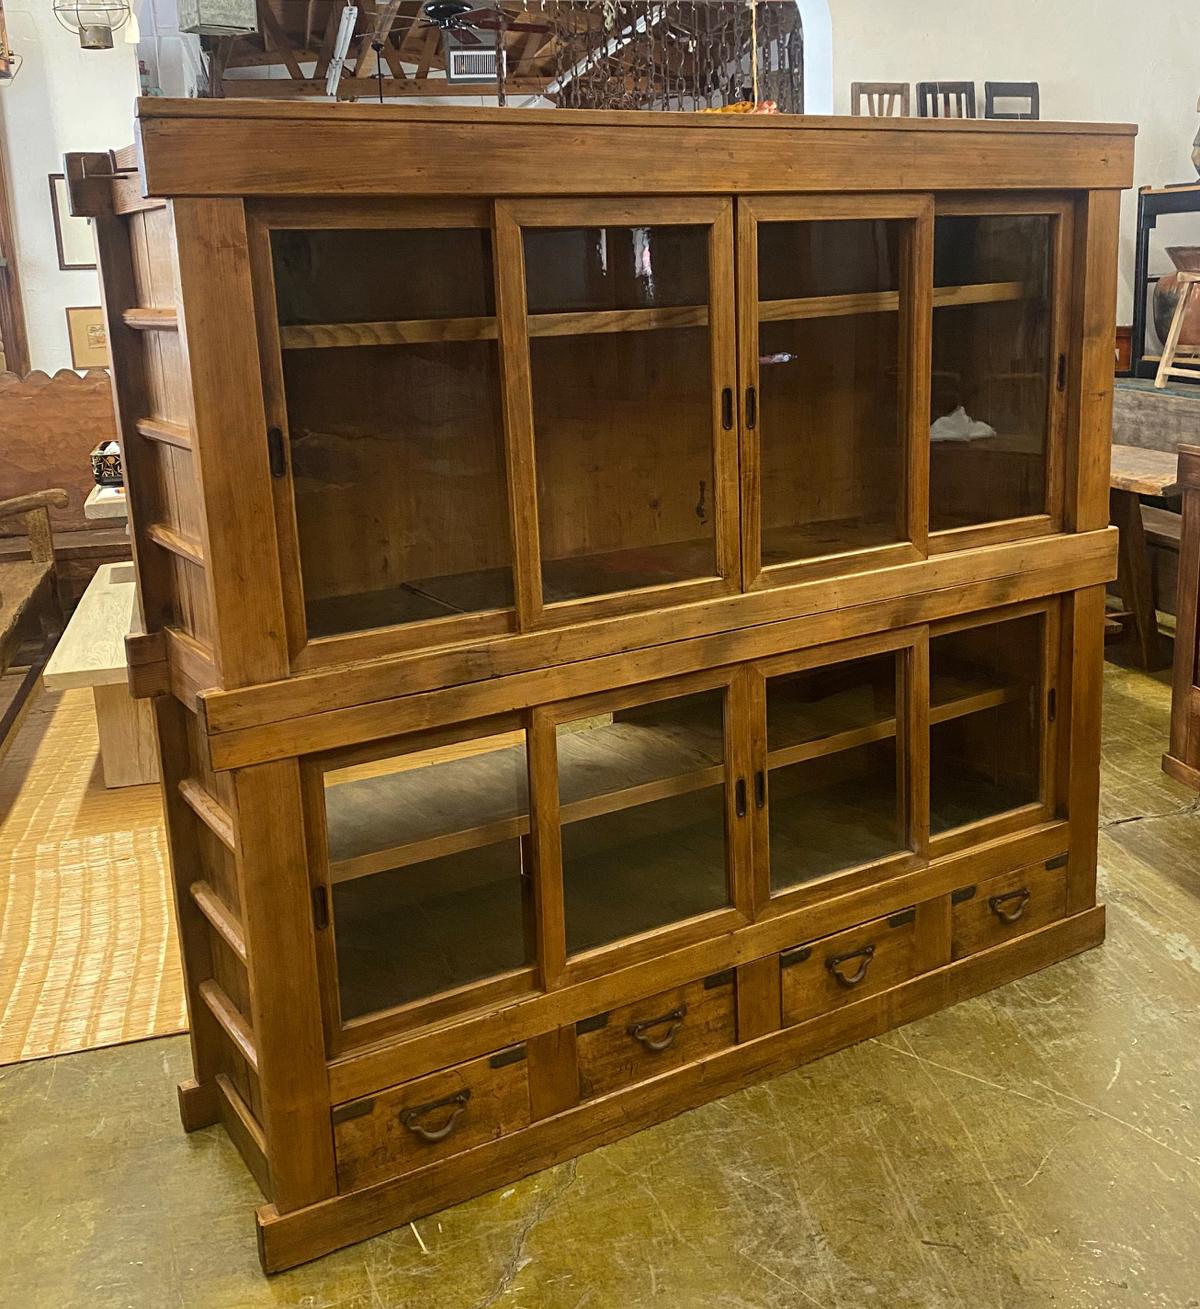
(269,148)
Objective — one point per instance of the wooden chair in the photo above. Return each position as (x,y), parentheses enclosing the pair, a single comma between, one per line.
(1027,91)
(946,99)
(28,588)
(882,99)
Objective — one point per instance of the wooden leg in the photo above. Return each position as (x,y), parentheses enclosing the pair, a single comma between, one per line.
(1167,362)
(1133,577)
(128,748)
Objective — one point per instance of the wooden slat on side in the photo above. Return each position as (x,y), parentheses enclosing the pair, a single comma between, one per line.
(221,917)
(183,546)
(244,1131)
(158,429)
(231,1020)
(214,815)
(143,319)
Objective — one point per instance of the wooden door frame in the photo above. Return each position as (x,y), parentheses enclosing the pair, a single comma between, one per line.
(511,216)
(13,332)
(915,211)
(263,217)
(911,709)
(1060,208)
(1044,809)
(342,1037)
(651,944)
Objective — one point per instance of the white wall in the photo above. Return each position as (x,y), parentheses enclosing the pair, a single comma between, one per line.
(63,98)
(1099,60)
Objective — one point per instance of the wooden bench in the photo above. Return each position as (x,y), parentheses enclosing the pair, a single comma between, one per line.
(91,653)
(28,590)
(1136,472)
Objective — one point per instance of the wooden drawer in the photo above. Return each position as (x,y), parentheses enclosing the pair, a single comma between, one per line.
(655,1035)
(1003,907)
(837,970)
(443,1114)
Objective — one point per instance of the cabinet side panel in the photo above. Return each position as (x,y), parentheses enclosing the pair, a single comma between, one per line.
(1090,378)
(227,419)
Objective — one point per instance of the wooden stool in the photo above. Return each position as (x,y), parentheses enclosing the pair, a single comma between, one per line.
(1136,472)
(1167,367)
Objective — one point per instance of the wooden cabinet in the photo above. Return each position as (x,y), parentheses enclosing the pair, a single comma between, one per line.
(613,585)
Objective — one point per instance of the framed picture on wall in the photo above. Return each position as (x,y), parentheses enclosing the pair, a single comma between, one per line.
(89,337)
(73,236)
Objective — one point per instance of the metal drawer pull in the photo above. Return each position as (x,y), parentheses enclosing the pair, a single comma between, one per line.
(640,1031)
(997,905)
(410,1116)
(866,954)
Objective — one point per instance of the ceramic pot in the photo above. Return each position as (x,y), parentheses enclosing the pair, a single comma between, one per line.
(1186,259)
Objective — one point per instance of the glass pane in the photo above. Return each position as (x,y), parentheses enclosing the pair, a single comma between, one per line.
(985,721)
(991,369)
(429,860)
(363,275)
(622,407)
(397,451)
(598,268)
(642,797)
(830,430)
(835,799)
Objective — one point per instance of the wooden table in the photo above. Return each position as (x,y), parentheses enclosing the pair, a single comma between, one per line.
(91,653)
(1137,472)
(106,502)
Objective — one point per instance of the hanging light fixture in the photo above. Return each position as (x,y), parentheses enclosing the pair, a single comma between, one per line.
(94,21)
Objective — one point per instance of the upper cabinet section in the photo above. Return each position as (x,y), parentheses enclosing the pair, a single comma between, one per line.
(496,417)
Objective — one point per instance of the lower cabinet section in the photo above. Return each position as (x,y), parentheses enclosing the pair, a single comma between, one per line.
(995,911)
(652,1036)
(836,970)
(400,1130)
(430,1118)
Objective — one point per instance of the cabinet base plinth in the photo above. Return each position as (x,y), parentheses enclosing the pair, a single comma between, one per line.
(285,1240)
(199,1104)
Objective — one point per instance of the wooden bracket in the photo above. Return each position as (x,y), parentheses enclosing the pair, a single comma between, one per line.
(149,670)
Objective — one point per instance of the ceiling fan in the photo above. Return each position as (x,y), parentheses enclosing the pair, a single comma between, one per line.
(462,19)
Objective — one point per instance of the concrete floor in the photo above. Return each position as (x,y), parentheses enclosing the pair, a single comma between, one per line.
(1035,1147)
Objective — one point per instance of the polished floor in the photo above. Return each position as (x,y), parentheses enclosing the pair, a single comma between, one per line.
(1037,1147)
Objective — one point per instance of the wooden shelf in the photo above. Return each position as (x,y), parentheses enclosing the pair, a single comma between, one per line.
(421,331)
(837,723)
(392,820)
(876,302)
(491,589)
(395,819)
